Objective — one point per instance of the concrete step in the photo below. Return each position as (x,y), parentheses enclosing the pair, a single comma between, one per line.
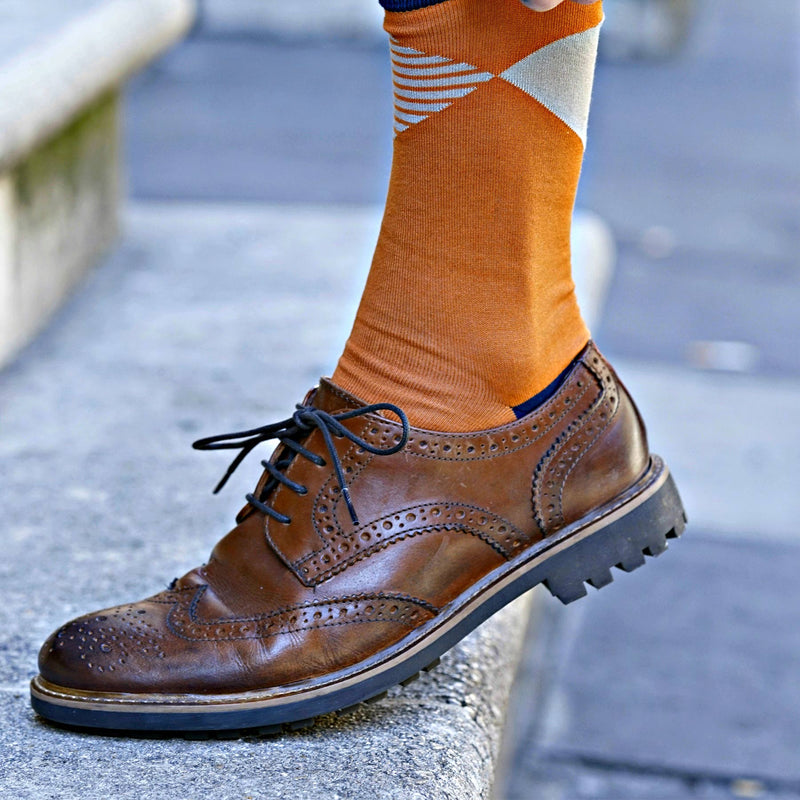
(61,69)
(205,319)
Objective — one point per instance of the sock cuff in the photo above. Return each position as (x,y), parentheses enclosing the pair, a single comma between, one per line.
(408,5)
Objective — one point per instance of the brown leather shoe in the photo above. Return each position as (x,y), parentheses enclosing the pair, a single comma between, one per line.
(368,549)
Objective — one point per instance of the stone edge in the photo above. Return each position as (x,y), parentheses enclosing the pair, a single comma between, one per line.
(46,85)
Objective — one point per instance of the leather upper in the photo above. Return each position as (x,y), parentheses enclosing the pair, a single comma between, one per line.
(279,603)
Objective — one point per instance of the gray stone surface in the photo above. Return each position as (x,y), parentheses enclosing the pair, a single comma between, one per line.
(238,120)
(68,68)
(678,681)
(61,66)
(731,440)
(596,781)
(26,22)
(695,168)
(432,740)
(733,711)
(59,216)
(205,320)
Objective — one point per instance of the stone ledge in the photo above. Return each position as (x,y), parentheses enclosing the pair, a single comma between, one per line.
(205,318)
(44,86)
(60,166)
(58,215)
(228,339)
(435,739)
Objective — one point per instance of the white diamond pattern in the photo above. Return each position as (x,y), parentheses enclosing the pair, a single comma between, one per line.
(559,76)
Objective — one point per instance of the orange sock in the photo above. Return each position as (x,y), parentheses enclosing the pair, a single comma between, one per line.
(469,308)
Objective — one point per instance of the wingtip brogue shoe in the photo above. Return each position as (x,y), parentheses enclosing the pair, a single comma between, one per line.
(368,549)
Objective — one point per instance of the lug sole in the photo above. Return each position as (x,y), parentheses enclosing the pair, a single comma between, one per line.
(621,534)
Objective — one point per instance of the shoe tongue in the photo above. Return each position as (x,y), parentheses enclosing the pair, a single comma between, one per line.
(329,397)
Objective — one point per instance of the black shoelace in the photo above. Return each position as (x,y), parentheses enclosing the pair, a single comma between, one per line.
(289,433)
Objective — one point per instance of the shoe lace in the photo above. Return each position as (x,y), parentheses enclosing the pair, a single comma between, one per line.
(290,433)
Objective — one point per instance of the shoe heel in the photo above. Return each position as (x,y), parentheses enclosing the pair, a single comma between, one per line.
(623,543)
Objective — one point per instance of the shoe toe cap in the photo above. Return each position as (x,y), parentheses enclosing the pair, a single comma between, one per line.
(110,650)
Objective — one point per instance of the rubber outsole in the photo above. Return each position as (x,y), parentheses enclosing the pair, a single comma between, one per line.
(622,535)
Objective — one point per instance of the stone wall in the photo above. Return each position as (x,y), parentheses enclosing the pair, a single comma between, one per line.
(62,67)
(58,214)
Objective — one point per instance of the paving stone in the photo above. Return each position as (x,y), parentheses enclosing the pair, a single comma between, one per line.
(673,154)
(301,19)
(650,295)
(688,666)
(731,440)
(241,120)
(578,781)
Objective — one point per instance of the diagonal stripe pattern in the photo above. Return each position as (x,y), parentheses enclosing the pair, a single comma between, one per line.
(425,84)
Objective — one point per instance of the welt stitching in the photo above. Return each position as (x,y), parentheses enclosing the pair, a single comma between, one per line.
(195,600)
(334,509)
(333,389)
(561,445)
(284,632)
(549,424)
(626,496)
(167,602)
(552,422)
(502,429)
(335,506)
(548,457)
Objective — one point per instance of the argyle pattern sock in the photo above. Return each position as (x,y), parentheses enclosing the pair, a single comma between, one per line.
(469,308)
